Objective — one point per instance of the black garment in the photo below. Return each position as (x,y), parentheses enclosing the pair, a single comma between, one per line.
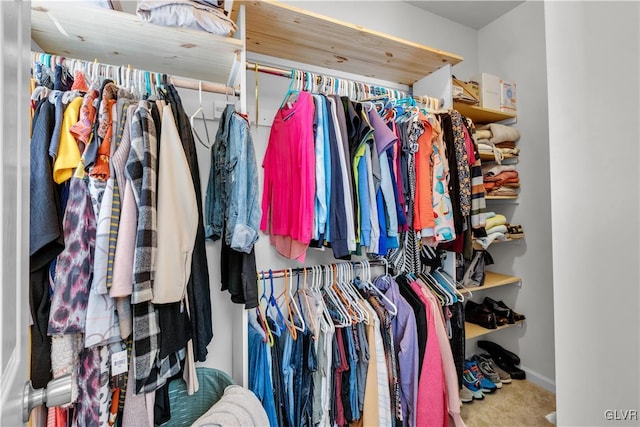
(454,186)
(46,239)
(309,366)
(457,339)
(175,326)
(420,313)
(238,275)
(198,290)
(162,406)
(337,212)
(40,303)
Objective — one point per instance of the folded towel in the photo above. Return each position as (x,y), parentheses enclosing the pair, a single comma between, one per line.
(486,241)
(502,228)
(503,191)
(489,214)
(502,176)
(188,14)
(502,133)
(499,219)
(506,144)
(492,169)
(483,134)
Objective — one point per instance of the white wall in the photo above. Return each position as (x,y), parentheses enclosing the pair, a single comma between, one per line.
(593,68)
(513,48)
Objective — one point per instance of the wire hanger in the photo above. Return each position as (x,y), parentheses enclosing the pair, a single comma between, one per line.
(204,120)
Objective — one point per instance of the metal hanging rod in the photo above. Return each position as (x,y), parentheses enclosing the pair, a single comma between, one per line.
(127,72)
(284,72)
(265,274)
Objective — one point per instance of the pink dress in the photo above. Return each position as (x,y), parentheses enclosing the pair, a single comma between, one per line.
(289,179)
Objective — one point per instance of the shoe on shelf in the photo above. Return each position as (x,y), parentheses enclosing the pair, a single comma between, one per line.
(471,383)
(516,316)
(466,395)
(514,231)
(488,371)
(498,352)
(505,378)
(480,315)
(503,315)
(486,385)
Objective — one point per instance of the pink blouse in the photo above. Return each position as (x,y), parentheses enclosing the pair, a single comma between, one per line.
(289,179)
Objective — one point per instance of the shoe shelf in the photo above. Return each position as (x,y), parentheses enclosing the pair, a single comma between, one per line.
(501,198)
(471,330)
(494,280)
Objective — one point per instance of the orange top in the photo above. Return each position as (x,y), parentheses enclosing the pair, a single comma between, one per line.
(423,208)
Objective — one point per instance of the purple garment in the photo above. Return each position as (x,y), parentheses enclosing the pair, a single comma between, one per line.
(382,135)
(88,405)
(405,339)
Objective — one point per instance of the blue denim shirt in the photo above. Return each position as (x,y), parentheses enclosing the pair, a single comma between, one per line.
(232,207)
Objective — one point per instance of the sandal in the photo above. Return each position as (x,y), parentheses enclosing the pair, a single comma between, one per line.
(515,231)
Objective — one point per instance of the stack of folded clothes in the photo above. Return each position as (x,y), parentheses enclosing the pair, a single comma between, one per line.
(500,180)
(498,141)
(496,229)
(205,15)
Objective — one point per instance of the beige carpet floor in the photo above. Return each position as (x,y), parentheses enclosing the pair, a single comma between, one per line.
(519,404)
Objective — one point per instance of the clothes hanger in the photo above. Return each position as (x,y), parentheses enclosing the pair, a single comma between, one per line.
(345,286)
(337,286)
(312,312)
(204,120)
(391,307)
(291,323)
(292,302)
(278,320)
(329,278)
(326,316)
(261,318)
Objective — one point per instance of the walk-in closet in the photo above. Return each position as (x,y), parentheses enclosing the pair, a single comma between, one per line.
(327,213)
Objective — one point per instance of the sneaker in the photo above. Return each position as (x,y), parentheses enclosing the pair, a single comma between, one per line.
(488,371)
(486,385)
(466,395)
(505,378)
(472,384)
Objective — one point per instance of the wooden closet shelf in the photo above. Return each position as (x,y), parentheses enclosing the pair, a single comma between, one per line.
(471,330)
(288,32)
(494,280)
(501,198)
(477,246)
(118,38)
(481,115)
(490,157)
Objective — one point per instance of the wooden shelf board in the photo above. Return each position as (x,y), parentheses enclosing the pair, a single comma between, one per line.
(501,198)
(494,280)
(471,330)
(288,32)
(119,38)
(481,115)
(479,247)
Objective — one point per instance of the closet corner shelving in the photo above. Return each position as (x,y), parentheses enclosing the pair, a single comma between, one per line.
(284,31)
(481,115)
(109,36)
(472,330)
(494,280)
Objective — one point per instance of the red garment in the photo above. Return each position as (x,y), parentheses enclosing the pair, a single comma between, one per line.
(289,179)
(82,129)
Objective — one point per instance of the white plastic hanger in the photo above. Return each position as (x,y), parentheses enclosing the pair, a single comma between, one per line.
(204,121)
(391,307)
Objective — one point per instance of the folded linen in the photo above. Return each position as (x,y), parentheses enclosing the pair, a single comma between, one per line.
(493,169)
(188,14)
(499,219)
(502,133)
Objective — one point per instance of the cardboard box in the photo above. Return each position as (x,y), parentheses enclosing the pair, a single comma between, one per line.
(465,91)
(507,96)
(490,90)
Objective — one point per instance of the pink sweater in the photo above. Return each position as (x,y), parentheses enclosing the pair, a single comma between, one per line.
(289,179)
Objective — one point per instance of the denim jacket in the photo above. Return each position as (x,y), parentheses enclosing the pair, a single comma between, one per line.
(232,193)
